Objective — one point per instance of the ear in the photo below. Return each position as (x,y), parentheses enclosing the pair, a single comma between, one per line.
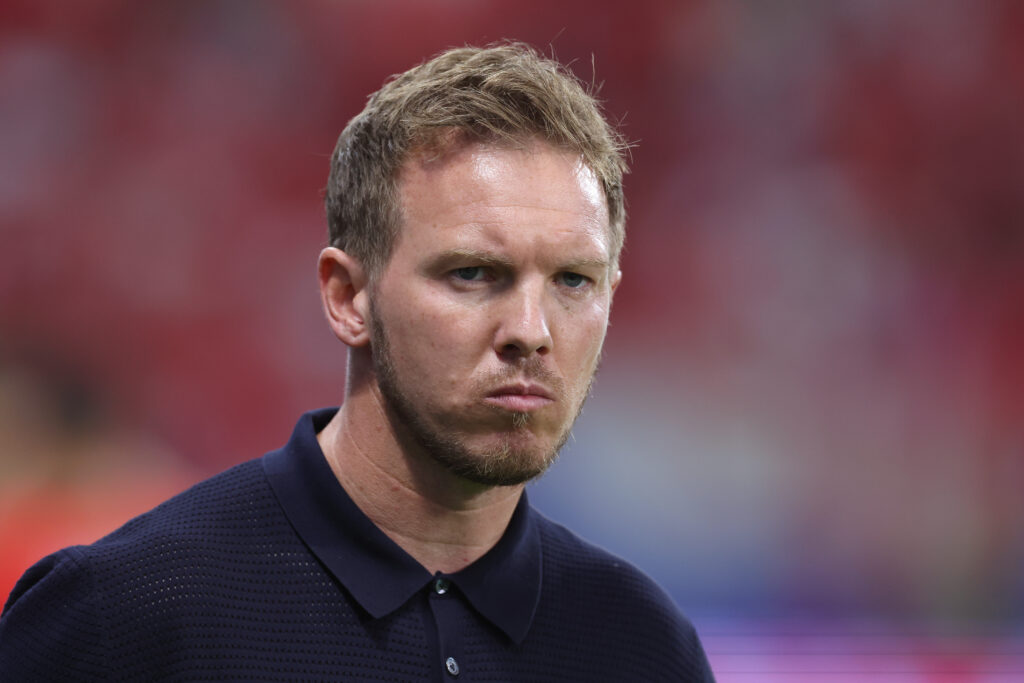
(343,291)
(616,279)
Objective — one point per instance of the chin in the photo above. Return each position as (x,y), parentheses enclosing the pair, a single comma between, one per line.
(506,460)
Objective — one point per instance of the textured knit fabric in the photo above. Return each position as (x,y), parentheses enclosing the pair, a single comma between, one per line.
(269,572)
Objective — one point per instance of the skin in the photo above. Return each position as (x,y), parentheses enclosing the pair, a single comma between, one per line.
(488,322)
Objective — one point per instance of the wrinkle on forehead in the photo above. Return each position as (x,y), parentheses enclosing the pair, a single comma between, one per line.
(488,167)
(480,182)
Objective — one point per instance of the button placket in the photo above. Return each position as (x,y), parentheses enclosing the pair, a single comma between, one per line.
(448,610)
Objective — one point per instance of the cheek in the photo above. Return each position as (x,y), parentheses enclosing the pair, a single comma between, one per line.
(582,349)
(588,330)
(435,345)
(445,334)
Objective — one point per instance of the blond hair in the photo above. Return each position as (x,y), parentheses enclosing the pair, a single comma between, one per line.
(506,93)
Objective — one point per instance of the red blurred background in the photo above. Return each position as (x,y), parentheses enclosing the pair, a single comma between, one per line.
(808,425)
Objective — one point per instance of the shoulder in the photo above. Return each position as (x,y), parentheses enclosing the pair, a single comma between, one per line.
(609,598)
(573,561)
(51,627)
(85,608)
(196,544)
(213,511)
(186,514)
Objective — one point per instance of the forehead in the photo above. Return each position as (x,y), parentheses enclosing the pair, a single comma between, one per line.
(534,189)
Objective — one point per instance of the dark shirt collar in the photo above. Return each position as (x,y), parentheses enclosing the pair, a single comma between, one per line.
(503,585)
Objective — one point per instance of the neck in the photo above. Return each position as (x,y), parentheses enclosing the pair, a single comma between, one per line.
(443,521)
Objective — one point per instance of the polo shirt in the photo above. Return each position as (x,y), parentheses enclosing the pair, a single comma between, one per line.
(269,572)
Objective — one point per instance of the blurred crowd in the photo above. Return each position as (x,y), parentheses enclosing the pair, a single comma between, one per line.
(813,394)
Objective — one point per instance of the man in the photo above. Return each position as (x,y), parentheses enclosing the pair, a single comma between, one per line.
(476,219)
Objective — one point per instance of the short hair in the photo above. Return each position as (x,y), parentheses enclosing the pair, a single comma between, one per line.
(505,93)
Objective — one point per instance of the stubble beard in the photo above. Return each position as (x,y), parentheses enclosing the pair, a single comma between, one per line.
(507,464)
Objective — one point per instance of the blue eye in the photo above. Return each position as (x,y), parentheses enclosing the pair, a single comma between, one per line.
(470,273)
(573,280)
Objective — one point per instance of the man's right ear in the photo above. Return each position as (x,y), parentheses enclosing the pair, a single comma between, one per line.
(345,296)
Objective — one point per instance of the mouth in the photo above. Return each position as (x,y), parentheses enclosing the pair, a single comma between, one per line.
(521,397)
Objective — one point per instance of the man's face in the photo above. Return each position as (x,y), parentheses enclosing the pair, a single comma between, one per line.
(488,320)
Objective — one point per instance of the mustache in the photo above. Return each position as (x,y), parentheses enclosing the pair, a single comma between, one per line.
(530,370)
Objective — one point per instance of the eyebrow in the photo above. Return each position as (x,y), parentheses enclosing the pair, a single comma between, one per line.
(588,263)
(483,257)
(487,258)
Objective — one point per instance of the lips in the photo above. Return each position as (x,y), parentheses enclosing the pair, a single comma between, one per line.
(521,397)
(529,389)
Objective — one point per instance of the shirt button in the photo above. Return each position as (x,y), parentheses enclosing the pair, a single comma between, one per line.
(441,587)
(452,666)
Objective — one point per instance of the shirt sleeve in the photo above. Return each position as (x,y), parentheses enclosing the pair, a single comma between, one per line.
(51,628)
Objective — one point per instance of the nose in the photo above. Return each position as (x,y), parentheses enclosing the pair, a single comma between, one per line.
(523,328)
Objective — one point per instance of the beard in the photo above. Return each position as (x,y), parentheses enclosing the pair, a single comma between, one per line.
(514,460)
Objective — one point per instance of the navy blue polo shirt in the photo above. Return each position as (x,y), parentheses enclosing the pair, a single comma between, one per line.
(269,572)
(503,586)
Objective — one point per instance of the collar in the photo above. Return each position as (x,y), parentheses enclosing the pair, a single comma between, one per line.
(503,585)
